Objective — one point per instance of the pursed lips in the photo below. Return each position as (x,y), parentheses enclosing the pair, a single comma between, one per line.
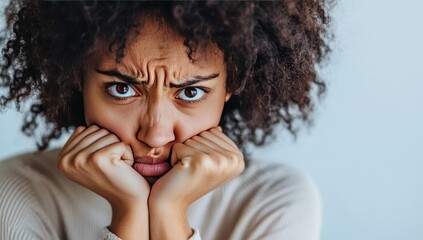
(150,160)
(152,167)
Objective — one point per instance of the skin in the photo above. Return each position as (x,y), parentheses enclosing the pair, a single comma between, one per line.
(156,120)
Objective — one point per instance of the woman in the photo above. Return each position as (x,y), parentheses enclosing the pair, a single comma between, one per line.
(163,99)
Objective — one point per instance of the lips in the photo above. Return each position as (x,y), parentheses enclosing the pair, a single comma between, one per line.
(151,167)
(152,170)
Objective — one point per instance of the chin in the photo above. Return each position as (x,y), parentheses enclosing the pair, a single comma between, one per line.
(151,180)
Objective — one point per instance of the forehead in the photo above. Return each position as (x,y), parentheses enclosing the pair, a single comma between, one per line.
(155,44)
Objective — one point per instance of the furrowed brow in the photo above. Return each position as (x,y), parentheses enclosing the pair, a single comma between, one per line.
(121,76)
(196,79)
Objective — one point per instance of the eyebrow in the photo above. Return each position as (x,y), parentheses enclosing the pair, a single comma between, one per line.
(121,76)
(195,80)
(133,81)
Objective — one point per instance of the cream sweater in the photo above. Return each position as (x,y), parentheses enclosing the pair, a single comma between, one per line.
(267,201)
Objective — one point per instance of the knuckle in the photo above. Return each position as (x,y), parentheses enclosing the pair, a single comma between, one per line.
(79,161)
(203,159)
(64,163)
(96,160)
(96,157)
(207,165)
(60,164)
(79,157)
(232,156)
(220,159)
(222,163)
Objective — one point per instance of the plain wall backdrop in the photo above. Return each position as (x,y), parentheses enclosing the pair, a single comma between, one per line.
(365,148)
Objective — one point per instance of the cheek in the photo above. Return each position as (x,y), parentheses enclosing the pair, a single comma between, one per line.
(112,118)
(203,119)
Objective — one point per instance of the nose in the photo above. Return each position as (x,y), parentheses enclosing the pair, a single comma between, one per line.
(156,126)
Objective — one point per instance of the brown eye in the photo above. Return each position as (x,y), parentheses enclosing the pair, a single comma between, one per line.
(121,90)
(190,92)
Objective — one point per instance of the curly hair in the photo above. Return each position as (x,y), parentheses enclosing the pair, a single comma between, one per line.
(271,51)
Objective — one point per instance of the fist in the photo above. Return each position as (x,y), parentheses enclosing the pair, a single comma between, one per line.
(200,164)
(99,161)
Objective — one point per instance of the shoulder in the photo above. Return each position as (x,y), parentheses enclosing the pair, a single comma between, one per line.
(267,178)
(279,201)
(21,203)
(28,168)
(18,171)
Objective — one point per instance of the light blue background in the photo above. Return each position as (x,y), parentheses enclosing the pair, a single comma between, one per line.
(365,149)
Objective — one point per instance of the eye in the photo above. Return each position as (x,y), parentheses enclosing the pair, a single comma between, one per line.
(191,94)
(121,90)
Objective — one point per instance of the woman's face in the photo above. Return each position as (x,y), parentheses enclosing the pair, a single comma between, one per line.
(155,96)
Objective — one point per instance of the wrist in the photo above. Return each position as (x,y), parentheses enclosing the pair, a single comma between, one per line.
(130,221)
(168,221)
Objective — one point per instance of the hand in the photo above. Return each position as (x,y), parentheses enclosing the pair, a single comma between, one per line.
(99,161)
(200,165)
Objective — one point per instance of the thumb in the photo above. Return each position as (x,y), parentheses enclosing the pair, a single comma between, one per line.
(181,153)
(127,155)
(174,158)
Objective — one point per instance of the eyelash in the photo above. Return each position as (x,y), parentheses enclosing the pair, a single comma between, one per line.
(206,91)
(111,84)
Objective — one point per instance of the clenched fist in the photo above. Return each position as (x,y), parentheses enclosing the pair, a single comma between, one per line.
(200,165)
(99,161)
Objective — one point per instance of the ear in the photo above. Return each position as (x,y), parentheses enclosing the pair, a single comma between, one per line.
(228,96)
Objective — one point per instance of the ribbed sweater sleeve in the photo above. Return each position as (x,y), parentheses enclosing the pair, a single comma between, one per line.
(267,201)
(22,216)
(288,210)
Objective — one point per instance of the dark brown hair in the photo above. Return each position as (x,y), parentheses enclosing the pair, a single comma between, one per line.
(271,50)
